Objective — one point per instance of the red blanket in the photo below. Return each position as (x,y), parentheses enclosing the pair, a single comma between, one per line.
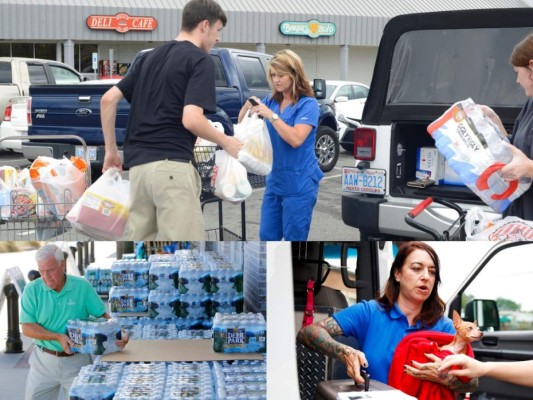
(412,348)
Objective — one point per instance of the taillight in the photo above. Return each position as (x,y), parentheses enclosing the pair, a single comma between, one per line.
(364,144)
(7,113)
(28,111)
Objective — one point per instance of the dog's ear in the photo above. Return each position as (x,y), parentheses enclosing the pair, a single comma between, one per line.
(456,319)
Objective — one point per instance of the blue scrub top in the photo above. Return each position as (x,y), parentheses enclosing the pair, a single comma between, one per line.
(294,168)
(379,332)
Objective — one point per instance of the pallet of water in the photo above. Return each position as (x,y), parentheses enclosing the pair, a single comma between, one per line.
(96,336)
(239,333)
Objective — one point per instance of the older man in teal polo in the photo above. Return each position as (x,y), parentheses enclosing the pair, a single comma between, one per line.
(47,304)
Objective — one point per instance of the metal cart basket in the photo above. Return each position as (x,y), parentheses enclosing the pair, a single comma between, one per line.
(205,161)
(29,217)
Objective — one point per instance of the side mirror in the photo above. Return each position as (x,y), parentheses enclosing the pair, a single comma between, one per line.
(485,312)
(341,99)
(319,87)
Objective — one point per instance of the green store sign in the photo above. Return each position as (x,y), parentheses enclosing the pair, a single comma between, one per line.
(312,28)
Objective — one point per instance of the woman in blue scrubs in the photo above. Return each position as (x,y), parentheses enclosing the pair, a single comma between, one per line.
(291,113)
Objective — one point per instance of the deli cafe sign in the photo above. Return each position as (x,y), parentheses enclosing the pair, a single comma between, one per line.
(121,22)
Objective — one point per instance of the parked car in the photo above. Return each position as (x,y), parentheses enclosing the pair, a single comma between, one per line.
(16,76)
(350,98)
(17,117)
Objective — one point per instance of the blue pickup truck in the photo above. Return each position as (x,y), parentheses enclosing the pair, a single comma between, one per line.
(75,110)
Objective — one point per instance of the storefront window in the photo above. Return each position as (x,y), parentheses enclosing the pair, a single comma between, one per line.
(83,56)
(5,49)
(22,50)
(45,50)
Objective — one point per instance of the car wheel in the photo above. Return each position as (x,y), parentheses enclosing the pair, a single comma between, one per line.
(326,148)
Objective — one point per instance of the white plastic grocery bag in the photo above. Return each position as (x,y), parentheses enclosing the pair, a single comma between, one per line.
(230,178)
(59,183)
(102,210)
(256,152)
(508,229)
(476,150)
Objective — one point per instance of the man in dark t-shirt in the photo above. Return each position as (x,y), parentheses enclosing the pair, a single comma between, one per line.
(169,90)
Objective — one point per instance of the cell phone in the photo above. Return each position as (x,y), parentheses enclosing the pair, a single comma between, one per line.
(253,101)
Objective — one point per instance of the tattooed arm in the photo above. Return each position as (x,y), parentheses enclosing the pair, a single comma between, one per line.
(319,337)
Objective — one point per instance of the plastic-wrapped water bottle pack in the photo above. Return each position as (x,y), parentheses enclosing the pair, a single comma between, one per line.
(240,380)
(239,333)
(96,382)
(128,300)
(164,305)
(164,276)
(94,336)
(130,273)
(189,381)
(476,150)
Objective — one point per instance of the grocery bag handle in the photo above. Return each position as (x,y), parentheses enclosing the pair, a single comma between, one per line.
(482,183)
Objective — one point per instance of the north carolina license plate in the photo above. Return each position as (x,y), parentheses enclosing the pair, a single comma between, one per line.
(357,180)
(91,152)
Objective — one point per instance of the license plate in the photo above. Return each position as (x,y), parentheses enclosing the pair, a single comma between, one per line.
(371,181)
(91,152)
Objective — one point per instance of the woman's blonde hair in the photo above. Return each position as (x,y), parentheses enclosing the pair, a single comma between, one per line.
(287,62)
(522,52)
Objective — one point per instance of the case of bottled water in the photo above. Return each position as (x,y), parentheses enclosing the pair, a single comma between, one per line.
(164,304)
(94,336)
(164,276)
(239,333)
(128,300)
(240,380)
(194,278)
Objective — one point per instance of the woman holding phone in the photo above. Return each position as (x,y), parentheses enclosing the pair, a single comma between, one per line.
(291,113)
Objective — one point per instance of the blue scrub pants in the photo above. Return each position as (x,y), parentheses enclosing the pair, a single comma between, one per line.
(287,217)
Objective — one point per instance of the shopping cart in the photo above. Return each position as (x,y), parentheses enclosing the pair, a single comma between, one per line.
(205,161)
(23,217)
(456,231)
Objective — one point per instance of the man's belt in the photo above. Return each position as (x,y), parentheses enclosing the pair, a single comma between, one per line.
(55,353)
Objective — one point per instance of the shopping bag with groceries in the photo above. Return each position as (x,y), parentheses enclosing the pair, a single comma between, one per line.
(476,150)
(256,152)
(102,210)
(230,178)
(482,226)
(59,183)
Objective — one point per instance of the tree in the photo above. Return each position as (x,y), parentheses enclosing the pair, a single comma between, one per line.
(508,305)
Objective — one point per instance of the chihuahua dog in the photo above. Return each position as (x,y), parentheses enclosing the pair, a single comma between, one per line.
(466,332)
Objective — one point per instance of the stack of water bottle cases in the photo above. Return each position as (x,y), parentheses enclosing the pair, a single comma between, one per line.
(186,295)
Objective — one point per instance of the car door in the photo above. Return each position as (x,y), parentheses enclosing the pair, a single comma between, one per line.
(498,295)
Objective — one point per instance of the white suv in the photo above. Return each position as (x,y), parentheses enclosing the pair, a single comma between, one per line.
(425,63)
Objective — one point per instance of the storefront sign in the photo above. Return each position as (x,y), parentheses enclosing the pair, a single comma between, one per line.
(312,28)
(121,23)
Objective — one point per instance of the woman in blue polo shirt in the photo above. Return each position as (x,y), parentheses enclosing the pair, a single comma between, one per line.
(410,303)
(291,112)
